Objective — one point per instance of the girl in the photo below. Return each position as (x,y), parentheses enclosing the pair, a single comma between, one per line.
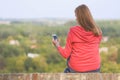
(82,43)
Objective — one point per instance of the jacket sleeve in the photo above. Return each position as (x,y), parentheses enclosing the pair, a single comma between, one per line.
(65,52)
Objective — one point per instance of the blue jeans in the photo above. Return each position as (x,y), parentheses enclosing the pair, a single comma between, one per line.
(69,70)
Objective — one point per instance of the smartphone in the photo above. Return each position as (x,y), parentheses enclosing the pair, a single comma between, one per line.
(54,36)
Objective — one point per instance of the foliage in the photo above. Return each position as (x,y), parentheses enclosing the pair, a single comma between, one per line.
(36,39)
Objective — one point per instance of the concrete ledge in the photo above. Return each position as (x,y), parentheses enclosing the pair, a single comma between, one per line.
(60,76)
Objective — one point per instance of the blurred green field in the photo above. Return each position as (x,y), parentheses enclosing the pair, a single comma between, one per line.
(18,40)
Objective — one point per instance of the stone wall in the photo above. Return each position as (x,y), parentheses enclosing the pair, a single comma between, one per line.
(60,76)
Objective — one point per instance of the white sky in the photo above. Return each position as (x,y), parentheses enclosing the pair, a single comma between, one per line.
(101,9)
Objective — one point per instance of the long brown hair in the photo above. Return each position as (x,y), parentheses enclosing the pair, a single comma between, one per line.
(85,19)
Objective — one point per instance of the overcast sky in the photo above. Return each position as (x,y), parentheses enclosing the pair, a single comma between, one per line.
(101,9)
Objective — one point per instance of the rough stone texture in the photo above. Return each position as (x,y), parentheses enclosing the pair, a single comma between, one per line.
(60,76)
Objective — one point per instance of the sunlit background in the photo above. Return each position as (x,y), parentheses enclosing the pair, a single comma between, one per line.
(26,27)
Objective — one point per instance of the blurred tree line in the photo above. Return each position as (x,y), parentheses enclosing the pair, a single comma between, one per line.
(18,40)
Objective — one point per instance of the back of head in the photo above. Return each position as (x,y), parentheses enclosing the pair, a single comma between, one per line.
(85,19)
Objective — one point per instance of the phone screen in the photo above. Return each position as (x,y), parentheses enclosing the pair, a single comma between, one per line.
(54,36)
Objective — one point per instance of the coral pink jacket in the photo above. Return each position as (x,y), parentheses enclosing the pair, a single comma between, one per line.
(83,47)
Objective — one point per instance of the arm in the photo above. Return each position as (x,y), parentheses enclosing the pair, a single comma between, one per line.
(65,52)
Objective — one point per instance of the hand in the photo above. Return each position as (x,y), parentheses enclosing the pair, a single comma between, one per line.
(56,42)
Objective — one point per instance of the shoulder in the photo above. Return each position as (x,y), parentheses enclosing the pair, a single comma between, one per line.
(74,28)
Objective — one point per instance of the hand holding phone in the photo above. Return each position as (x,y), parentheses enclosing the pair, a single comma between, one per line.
(54,36)
(55,40)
